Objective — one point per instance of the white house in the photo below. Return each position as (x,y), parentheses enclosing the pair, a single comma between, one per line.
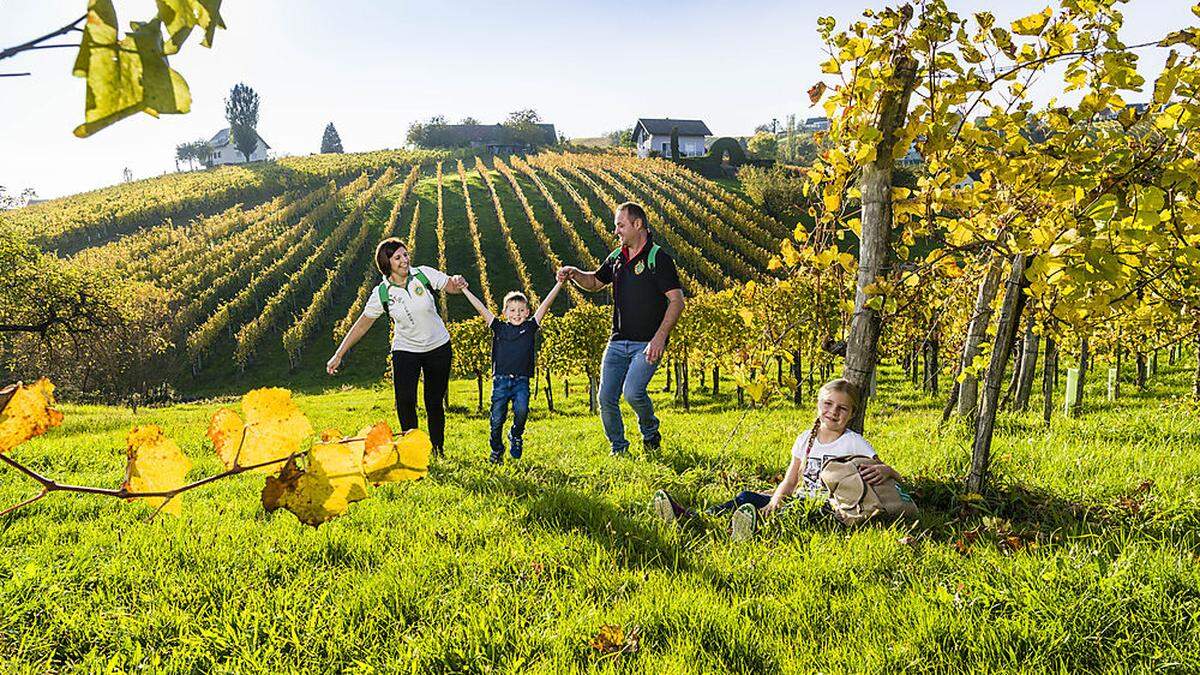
(225,152)
(655,135)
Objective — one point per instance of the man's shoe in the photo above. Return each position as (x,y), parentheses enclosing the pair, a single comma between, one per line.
(652,444)
(743,522)
(436,452)
(619,453)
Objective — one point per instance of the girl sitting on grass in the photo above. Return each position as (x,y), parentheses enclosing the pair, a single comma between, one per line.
(828,438)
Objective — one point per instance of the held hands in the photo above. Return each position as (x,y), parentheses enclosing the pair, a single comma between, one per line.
(332,365)
(874,474)
(455,284)
(566,273)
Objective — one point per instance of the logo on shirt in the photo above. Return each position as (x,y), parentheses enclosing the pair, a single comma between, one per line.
(420,290)
(640,267)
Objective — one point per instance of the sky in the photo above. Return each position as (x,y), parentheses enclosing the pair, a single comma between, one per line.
(372,68)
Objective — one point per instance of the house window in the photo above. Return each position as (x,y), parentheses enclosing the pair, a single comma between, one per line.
(666,148)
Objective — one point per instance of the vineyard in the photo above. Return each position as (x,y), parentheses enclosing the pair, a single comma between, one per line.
(264,268)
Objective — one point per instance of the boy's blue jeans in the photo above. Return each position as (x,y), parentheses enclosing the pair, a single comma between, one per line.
(625,370)
(507,388)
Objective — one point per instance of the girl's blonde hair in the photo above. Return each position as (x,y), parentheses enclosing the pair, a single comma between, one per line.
(839,385)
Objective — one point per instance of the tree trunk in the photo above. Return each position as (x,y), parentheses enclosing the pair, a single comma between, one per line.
(1154,363)
(1083,368)
(875,188)
(703,378)
(1028,367)
(934,363)
(549,392)
(1141,370)
(716,380)
(1049,368)
(1018,353)
(566,388)
(798,393)
(1006,328)
(678,383)
(670,367)
(981,316)
(951,401)
(479,387)
(685,385)
(1196,381)
(591,393)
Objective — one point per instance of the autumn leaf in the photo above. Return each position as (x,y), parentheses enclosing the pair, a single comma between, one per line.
(274,429)
(332,481)
(1033,24)
(815,92)
(155,464)
(28,412)
(612,639)
(390,461)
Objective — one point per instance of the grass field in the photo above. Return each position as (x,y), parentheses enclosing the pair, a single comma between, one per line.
(1067,566)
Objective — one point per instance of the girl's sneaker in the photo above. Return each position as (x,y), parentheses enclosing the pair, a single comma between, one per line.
(668,509)
(743,523)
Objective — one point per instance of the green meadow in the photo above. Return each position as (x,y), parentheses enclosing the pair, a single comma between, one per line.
(1083,557)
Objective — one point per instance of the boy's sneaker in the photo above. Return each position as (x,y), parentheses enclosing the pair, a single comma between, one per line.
(515,447)
(668,509)
(743,523)
(497,457)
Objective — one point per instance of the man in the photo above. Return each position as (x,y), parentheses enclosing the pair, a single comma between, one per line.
(647,302)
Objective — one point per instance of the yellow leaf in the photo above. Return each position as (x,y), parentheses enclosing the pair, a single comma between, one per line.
(154,464)
(755,390)
(388,461)
(29,412)
(274,429)
(333,480)
(790,256)
(1033,24)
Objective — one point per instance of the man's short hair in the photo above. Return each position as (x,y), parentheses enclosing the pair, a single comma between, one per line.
(515,295)
(635,210)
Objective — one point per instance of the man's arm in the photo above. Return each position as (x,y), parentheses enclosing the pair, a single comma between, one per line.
(585,280)
(486,313)
(658,343)
(546,302)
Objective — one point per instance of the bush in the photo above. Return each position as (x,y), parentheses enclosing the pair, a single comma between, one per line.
(776,190)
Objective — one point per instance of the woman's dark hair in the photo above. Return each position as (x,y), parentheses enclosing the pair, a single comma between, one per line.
(384,252)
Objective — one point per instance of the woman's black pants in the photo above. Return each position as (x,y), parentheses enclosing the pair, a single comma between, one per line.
(406,370)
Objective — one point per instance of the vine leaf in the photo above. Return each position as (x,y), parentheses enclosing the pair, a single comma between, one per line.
(28,412)
(332,480)
(392,461)
(273,430)
(181,16)
(155,464)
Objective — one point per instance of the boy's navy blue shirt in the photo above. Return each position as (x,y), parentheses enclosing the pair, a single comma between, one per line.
(513,347)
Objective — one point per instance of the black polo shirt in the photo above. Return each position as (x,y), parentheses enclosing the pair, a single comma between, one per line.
(639,293)
(513,347)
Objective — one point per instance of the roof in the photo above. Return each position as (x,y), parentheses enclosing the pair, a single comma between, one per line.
(663,127)
(222,138)
(495,134)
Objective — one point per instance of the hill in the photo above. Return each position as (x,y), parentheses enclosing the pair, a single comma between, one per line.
(267,265)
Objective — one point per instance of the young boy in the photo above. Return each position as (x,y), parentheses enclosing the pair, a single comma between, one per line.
(512,364)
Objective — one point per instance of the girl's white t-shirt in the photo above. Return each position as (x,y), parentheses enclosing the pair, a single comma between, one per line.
(849,443)
(416,325)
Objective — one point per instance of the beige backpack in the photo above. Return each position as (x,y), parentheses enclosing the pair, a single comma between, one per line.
(854,501)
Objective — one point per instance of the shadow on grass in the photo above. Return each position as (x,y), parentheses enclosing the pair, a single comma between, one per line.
(553,503)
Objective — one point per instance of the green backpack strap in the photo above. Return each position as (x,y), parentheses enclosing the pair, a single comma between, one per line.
(422,278)
(652,255)
(613,256)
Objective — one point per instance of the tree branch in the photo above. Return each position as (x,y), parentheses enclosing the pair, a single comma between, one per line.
(33,44)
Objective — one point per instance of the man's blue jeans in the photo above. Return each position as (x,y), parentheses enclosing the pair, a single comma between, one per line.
(507,388)
(625,370)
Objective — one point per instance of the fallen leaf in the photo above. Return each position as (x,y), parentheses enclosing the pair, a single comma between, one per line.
(612,640)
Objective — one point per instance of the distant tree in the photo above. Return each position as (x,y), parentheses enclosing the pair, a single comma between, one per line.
(764,128)
(469,120)
(674,142)
(241,110)
(525,129)
(8,201)
(330,141)
(763,145)
(194,152)
(621,138)
(434,133)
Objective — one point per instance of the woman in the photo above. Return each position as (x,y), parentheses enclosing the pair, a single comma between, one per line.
(420,341)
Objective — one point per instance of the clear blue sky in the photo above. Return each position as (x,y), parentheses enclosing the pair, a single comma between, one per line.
(374,67)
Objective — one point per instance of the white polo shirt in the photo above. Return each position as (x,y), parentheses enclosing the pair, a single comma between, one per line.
(416,325)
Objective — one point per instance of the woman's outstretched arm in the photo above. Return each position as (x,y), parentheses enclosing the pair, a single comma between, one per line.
(356,332)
